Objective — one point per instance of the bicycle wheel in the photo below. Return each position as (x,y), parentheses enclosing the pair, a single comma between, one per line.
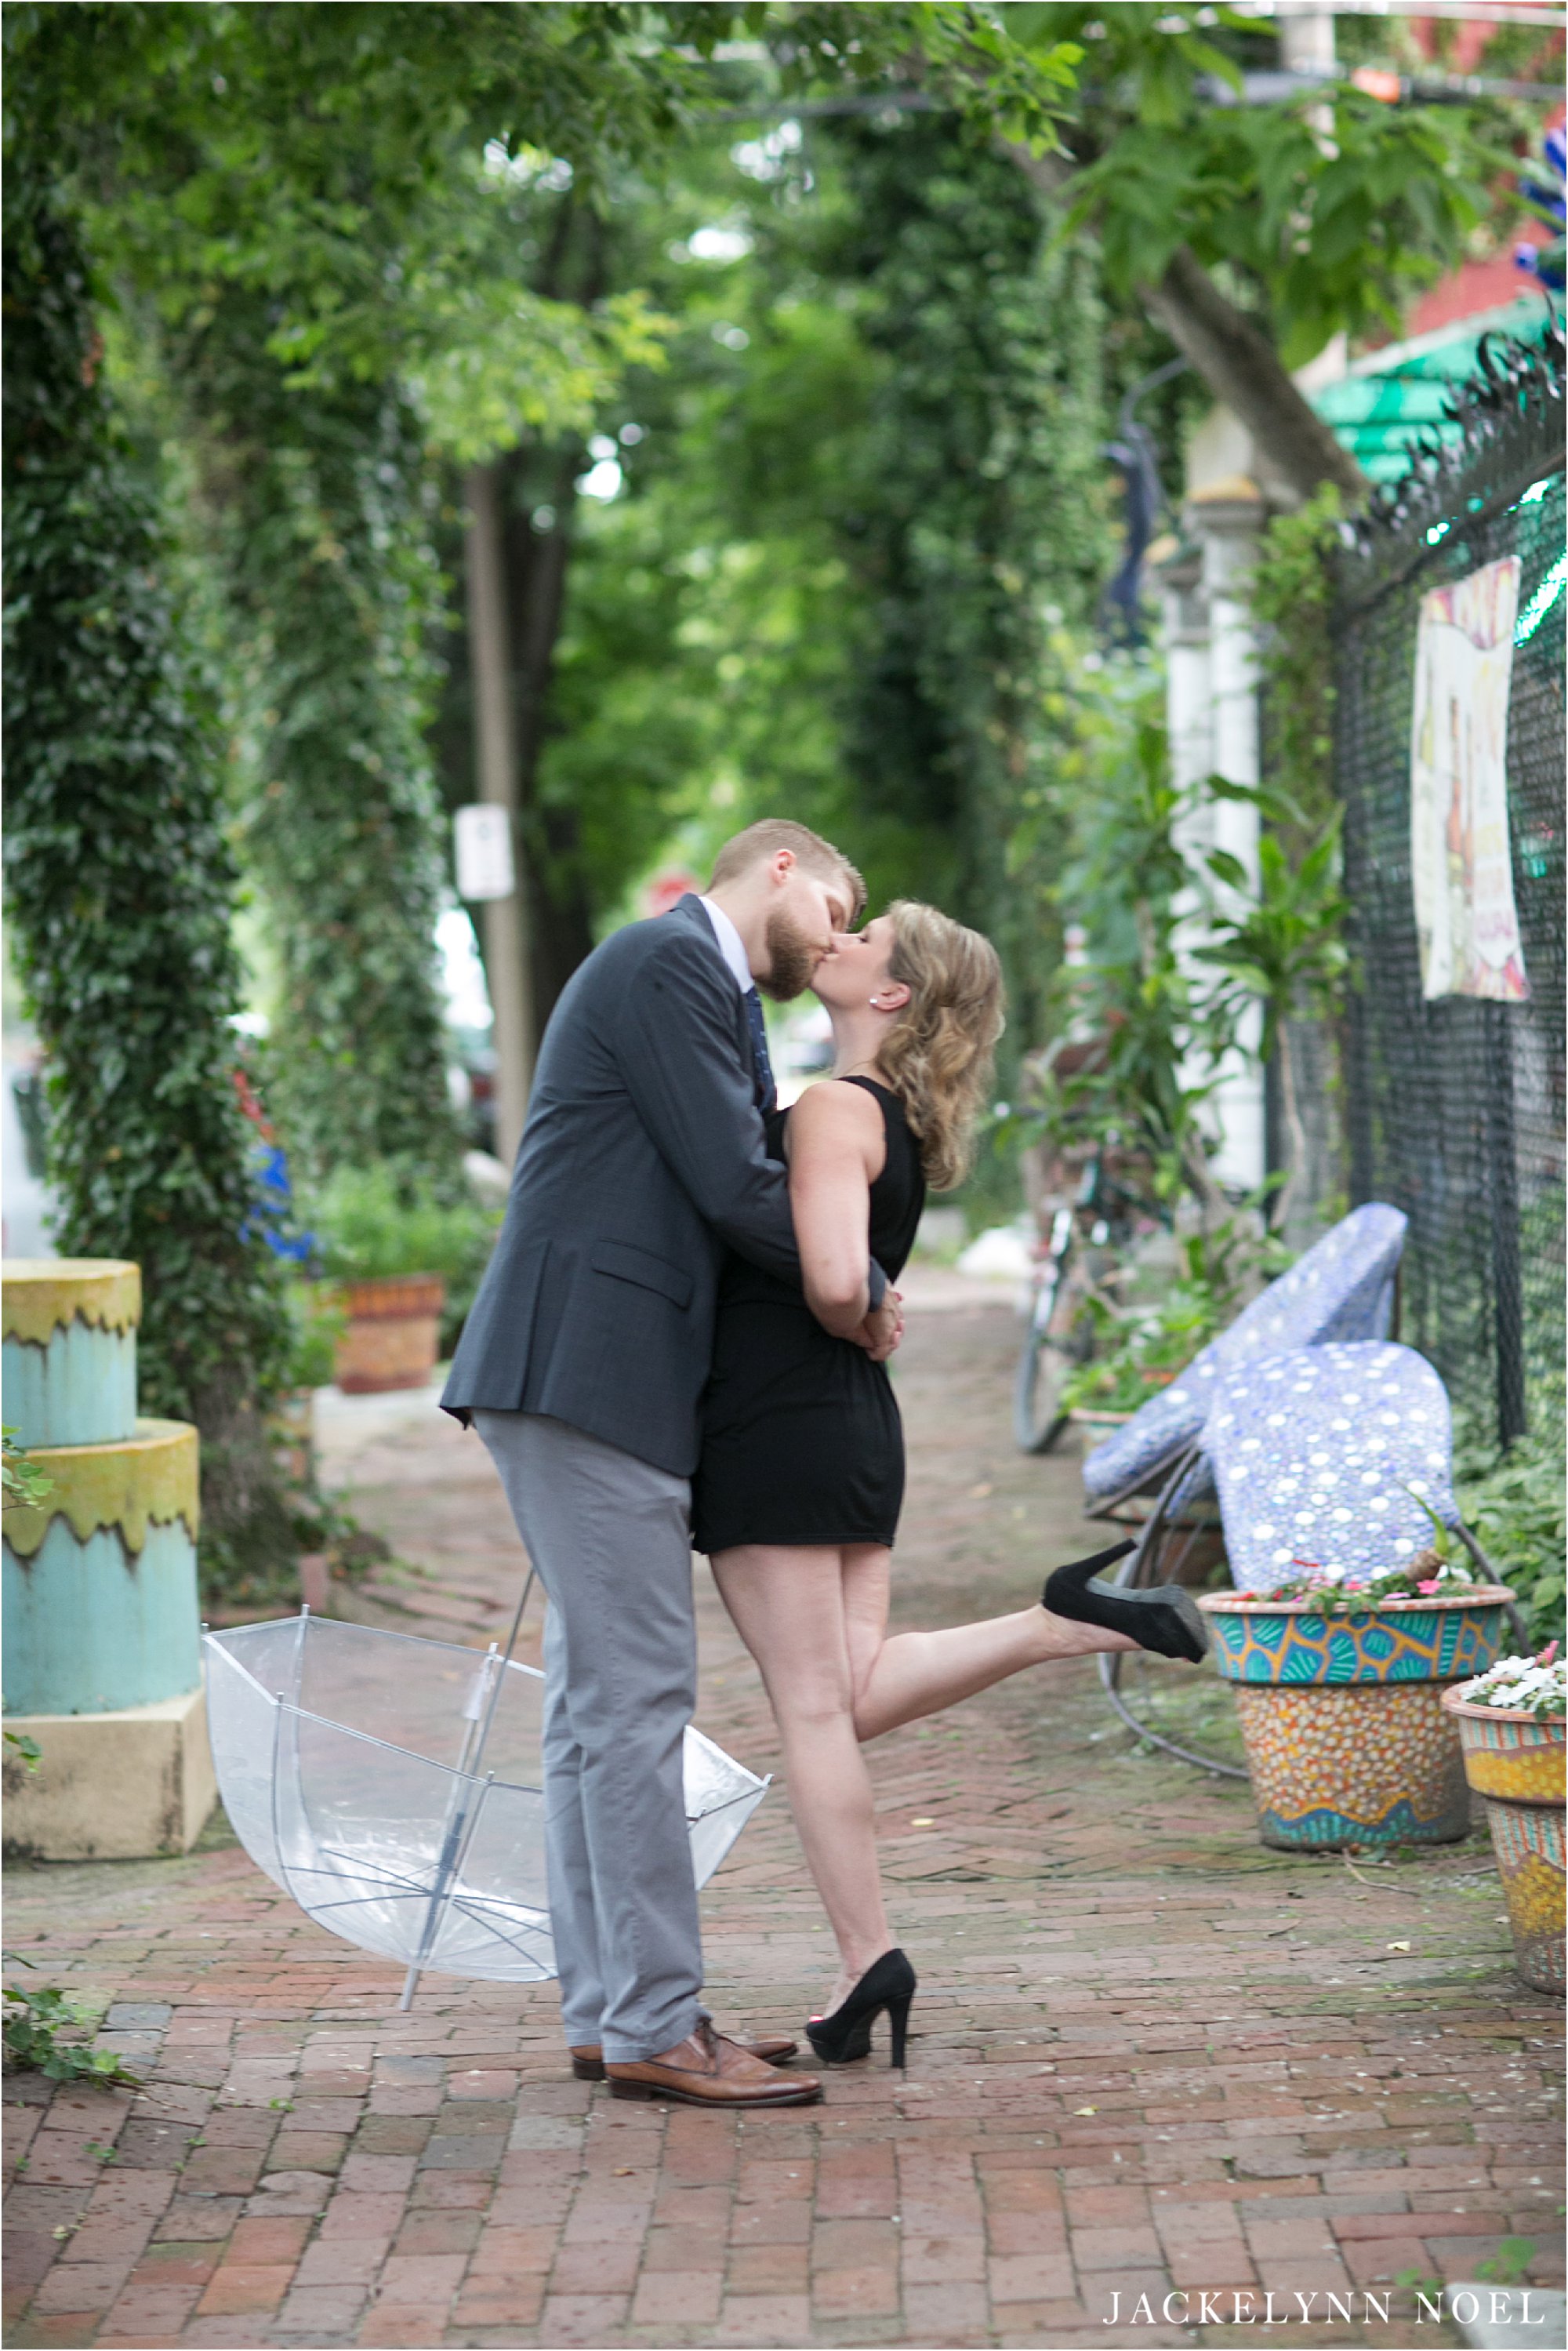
(1060,1340)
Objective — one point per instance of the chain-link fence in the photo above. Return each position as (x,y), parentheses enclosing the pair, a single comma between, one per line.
(1453,1105)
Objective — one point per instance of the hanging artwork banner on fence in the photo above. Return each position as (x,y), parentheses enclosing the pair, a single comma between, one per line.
(1461,870)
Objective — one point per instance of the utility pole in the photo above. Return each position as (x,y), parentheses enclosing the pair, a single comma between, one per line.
(508,961)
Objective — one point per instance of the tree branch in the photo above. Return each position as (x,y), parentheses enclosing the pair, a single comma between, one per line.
(1241,367)
(1234,357)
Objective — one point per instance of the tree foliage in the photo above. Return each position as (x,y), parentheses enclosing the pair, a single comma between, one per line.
(1292,597)
(978,496)
(332,593)
(120,881)
(298,200)
(869,467)
(1122,878)
(1331,209)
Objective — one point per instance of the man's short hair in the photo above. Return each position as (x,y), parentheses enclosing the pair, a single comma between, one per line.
(810,850)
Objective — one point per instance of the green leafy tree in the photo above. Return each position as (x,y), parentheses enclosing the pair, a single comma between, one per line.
(332,593)
(298,201)
(868,460)
(120,883)
(977,496)
(1251,232)
(681,648)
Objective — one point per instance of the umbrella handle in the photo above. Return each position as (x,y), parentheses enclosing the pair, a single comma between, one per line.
(518,1620)
(499,1676)
(471,1763)
(449,1869)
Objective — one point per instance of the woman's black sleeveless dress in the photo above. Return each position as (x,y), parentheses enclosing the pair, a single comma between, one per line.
(802,1438)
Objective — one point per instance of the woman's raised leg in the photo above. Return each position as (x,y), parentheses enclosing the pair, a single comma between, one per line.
(912,1674)
(788,1605)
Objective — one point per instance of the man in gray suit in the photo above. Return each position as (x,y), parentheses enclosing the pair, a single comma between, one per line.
(581,1367)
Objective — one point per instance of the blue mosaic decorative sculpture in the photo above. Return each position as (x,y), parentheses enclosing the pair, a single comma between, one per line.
(1325,1454)
(1343,1288)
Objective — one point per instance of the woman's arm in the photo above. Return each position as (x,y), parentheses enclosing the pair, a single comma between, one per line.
(837,1146)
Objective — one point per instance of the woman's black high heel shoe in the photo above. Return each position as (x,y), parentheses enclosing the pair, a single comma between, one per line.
(1166,1620)
(840,2039)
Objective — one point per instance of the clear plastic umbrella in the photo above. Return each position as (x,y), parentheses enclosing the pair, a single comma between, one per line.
(391,1786)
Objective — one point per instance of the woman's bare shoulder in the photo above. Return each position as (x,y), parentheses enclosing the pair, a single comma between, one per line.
(833,1115)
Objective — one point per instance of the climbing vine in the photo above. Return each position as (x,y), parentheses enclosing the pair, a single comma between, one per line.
(981,496)
(121,886)
(1291,596)
(318,495)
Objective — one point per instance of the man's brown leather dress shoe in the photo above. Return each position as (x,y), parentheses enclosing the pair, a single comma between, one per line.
(773,2048)
(706,2070)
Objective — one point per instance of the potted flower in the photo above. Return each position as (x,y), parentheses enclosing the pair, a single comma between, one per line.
(1339,1690)
(1512,1722)
(392,1249)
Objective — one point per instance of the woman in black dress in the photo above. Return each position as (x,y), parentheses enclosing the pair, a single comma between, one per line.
(797,1496)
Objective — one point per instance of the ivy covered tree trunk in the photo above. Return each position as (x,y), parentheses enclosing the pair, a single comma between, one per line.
(333,587)
(121,892)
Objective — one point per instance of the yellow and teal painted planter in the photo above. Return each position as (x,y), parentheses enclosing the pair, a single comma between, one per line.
(99,1577)
(1342,1716)
(69,1344)
(1518,1764)
(102,1647)
(100,1601)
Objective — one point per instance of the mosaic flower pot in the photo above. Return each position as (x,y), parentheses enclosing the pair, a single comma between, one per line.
(392,1334)
(1518,1763)
(1341,1716)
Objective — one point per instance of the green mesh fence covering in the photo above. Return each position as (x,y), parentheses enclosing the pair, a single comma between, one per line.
(1454,1107)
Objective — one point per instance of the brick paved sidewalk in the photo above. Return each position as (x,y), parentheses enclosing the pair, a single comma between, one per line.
(1151,2057)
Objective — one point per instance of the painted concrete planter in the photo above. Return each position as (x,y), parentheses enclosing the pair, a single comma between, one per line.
(69,1336)
(101,1578)
(1518,1764)
(102,1645)
(392,1335)
(1347,1742)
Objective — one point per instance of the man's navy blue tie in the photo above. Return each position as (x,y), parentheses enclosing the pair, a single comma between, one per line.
(766,1092)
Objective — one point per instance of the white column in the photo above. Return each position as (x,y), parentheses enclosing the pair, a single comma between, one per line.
(1226,521)
(1189,717)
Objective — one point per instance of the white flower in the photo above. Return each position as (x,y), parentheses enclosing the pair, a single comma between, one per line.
(1521,1683)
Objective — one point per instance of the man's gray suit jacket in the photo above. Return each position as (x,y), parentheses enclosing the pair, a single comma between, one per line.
(643,1158)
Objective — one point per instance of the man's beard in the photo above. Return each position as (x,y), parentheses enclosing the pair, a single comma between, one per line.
(792,960)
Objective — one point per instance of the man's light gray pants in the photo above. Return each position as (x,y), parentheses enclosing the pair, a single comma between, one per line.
(609,1537)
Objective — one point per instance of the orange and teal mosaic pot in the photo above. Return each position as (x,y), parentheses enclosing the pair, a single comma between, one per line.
(1518,1763)
(1347,1741)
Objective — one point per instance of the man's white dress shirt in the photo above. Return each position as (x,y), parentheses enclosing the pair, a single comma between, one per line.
(730,945)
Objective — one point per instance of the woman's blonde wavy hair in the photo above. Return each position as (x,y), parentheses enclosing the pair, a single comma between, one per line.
(938,1056)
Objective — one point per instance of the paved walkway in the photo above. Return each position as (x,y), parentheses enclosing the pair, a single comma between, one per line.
(1153,2058)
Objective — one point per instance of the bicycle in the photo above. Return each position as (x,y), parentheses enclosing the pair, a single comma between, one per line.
(1078,1264)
